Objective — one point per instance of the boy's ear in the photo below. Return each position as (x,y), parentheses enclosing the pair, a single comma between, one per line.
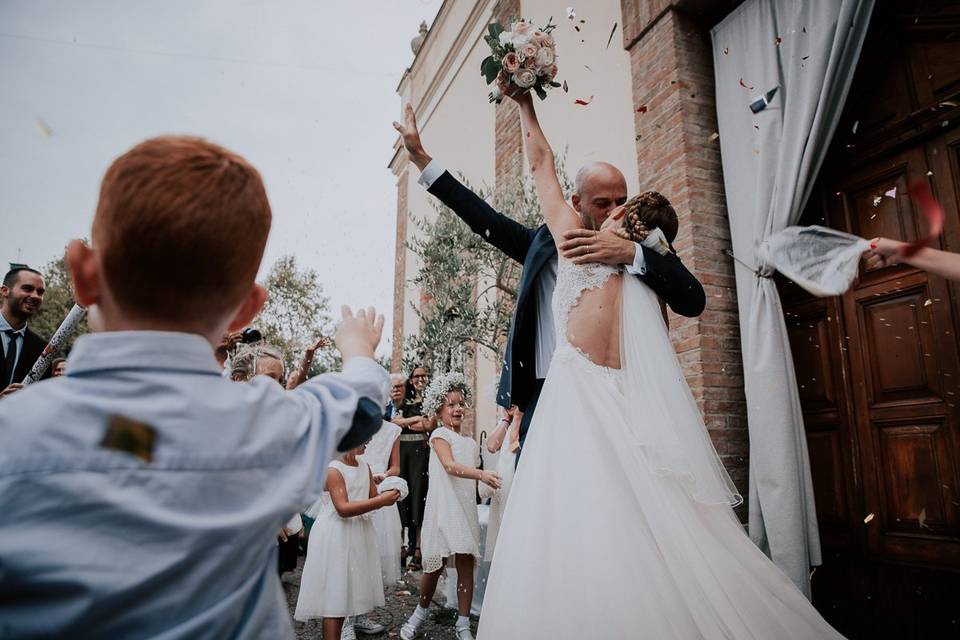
(249,308)
(84,273)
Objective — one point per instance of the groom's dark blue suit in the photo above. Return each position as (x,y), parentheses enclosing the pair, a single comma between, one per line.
(533,248)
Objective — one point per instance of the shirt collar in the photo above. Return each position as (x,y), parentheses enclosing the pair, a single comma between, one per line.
(5,326)
(143,350)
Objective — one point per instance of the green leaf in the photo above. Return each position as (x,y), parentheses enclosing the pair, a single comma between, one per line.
(484,63)
(495,29)
(540,92)
(490,69)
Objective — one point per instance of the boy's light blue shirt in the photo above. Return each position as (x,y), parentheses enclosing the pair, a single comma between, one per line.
(99,543)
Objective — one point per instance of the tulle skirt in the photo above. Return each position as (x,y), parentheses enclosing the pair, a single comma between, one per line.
(597,542)
(341,575)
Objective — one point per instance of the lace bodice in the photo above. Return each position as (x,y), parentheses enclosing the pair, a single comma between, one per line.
(572,281)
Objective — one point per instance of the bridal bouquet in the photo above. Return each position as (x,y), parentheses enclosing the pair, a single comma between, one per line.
(521,59)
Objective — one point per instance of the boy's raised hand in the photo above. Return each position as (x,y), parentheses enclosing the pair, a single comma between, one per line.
(358,335)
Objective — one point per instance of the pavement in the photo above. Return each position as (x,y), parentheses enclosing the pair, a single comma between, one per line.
(401,600)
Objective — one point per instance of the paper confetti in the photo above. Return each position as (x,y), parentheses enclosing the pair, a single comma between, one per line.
(876,201)
(713,136)
(744,85)
(726,51)
(855,125)
(892,193)
(612,31)
(565,87)
(868,518)
(927,302)
(583,102)
(571,14)
(642,108)
(922,519)
(760,103)
(577,28)
(932,211)
(777,41)
(44,128)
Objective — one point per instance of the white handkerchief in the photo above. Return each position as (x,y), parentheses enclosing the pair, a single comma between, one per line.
(394,482)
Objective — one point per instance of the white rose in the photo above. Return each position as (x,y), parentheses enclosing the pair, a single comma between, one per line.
(506,37)
(525,78)
(544,57)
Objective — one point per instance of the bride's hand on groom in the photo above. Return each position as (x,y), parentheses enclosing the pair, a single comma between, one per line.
(584,246)
(490,478)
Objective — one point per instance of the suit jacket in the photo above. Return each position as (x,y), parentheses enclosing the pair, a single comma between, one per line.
(533,248)
(33,346)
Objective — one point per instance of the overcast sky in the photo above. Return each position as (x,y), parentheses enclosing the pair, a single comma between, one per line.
(305,89)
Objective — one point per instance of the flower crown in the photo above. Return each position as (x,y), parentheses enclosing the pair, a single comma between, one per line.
(439,387)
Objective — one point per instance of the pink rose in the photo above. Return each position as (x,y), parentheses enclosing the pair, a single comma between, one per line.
(529,63)
(511,62)
(550,72)
(528,50)
(539,38)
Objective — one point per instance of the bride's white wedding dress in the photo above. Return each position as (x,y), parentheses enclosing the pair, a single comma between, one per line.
(619,522)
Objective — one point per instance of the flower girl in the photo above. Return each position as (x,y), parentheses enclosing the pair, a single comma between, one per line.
(341,576)
(451,524)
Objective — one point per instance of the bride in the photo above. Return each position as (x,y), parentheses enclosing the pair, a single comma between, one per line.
(619,522)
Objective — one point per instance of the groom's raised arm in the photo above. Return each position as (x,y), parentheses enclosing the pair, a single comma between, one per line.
(503,232)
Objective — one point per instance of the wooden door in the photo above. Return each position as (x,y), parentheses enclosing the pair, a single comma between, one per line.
(879,368)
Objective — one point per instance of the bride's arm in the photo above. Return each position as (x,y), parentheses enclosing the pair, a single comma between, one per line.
(558,215)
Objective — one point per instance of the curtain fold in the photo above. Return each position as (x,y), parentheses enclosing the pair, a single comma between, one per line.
(772,148)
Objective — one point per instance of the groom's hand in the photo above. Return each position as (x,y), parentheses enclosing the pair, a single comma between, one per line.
(583,246)
(411,138)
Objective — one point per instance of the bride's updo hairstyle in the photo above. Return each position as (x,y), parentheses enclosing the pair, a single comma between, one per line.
(647,211)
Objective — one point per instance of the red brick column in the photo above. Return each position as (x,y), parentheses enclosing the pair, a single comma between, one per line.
(399,271)
(672,67)
(508,146)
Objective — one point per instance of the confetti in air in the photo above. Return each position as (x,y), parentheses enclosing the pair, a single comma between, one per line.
(571,14)
(642,108)
(876,201)
(583,102)
(932,211)
(855,125)
(927,302)
(868,518)
(44,128)
(565,87)
(726,51)
(760,103)
(612,31)
(713,136)
(745,85)
(892,193)
(777,41)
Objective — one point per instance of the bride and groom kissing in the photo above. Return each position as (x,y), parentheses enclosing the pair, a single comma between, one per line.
(620,515)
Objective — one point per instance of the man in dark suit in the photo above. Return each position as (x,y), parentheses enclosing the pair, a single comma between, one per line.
(21,295)
(599,189)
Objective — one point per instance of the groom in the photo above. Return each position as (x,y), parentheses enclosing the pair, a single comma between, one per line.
(599,189)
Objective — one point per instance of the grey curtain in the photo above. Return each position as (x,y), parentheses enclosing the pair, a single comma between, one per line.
(808,51)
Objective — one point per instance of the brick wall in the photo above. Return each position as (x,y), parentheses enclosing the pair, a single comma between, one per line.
(399,271)
(508,145)
(672,69)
